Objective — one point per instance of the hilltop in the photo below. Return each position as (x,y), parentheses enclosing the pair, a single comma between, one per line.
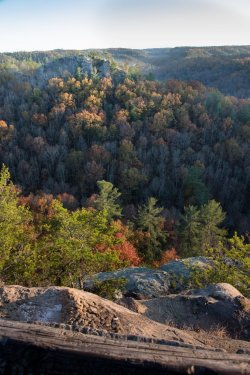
(226,68)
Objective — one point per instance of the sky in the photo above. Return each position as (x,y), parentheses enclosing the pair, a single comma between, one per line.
(28,25)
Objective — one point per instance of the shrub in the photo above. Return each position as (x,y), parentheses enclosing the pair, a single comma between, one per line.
(230,264)
(110,288)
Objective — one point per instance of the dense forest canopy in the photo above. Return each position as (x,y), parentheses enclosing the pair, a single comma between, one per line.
(226,68)
(110,167)
(69,120)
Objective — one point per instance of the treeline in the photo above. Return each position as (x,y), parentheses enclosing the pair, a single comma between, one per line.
(225,68)
(182,143)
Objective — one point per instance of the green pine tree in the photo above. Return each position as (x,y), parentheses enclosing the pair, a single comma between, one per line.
(211,219)
(107,200)
(190,232)
(201,229)
(151,222)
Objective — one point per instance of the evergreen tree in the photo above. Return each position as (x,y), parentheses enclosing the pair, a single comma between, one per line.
(55,246)
(211,219)
(200,229)
(190,232)
(107,200)
(77,244)
(151,224)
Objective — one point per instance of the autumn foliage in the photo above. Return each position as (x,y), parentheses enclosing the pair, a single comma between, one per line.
(168,256)
(127,252)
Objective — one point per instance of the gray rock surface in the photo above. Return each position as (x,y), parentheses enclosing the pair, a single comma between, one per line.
(183,267)
(141,282)
(86,313)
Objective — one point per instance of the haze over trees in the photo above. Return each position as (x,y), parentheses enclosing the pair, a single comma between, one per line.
(225,68)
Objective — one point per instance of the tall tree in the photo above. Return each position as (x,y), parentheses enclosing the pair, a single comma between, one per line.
(200,229)
(211,219)
(190,232)
(151,224)
(107,200)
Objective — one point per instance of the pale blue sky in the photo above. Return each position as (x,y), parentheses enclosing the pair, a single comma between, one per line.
(80,24)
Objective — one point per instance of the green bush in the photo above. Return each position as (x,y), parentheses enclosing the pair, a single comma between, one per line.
(230,263)
(110,288)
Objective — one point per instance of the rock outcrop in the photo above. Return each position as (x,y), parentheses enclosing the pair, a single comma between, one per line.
(182,268)
(219,306)
(221,291)
(145,283)
(141,283)
(76,308)
(149,321)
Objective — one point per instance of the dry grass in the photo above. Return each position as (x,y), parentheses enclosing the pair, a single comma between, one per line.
(216,331)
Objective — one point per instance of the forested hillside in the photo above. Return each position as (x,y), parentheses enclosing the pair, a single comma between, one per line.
(74,121)
(112,168)
(225,68)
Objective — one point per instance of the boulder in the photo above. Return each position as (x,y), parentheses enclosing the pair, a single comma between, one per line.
(218,306)
(103,67)
(183,267)
(220,291)
(142,282)
(180,271)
